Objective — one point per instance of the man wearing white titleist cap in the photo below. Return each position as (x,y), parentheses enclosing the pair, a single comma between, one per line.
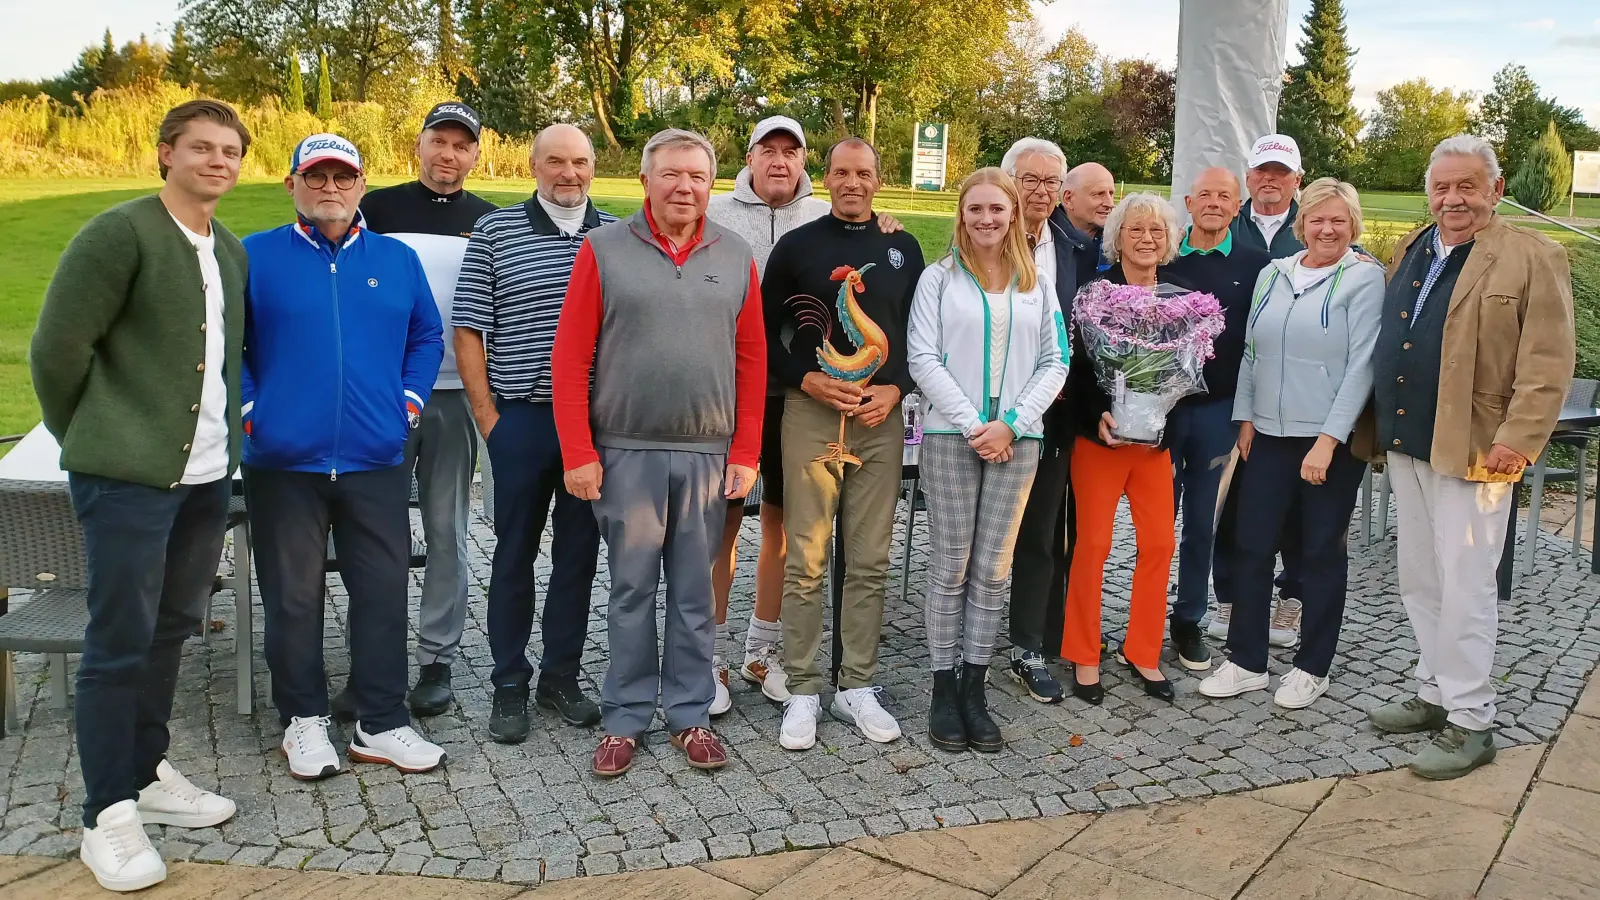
(771,196)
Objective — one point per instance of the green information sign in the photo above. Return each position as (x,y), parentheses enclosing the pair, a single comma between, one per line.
(929,147)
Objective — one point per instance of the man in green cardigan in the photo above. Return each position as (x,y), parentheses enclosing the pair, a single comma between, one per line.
(136,364)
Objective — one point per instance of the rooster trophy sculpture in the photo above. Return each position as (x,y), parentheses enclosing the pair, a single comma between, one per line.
(872,345)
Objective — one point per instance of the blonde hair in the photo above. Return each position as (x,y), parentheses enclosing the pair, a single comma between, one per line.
(1141,203)
(1019,259)
(1322,190)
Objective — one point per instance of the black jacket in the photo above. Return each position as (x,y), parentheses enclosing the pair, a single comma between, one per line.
(1284,243)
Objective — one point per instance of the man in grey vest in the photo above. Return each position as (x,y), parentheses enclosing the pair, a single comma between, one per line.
(664,312)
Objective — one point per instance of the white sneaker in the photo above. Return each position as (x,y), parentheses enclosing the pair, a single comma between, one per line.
(799,730)
(1298,690)
(172,800)
(1218,628)
(118,851)
(1231,681)
(723,701)
(308,750)
(400,747)
(1285,628)
(860,706)
(765,667)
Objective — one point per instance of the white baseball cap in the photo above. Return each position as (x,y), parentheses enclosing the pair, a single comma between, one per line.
(777,123)
(322,148)
(1275,148)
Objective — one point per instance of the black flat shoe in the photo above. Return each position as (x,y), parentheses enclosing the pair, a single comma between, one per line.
(1092,694)
(1161,690)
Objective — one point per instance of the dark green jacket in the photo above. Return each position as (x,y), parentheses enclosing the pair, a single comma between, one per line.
(117,357)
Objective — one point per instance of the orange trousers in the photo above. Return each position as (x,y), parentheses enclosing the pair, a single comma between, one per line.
(1100,477)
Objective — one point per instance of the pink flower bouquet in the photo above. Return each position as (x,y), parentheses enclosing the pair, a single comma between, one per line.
(1148,348)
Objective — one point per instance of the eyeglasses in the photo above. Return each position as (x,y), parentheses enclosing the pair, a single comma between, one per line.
(1031,183)
(344,181)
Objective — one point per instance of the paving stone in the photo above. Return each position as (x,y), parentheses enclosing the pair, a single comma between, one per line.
(328,860)
(439,867)
(478,870)
(214,853)
(683,853)
(730,846)
(639,860)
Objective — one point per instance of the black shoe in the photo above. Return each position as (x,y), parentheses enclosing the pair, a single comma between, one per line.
(508,721)
(945,728)
(563,695)
(983,734)
(1161,690)
(1092,694)
(1030,671)
(1193,654)
(433,694)
(343,705)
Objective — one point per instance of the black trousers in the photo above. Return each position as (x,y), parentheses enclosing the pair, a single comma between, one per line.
(1043,554)
(1270,494)
(152,557)
(290,517)
(1288,581)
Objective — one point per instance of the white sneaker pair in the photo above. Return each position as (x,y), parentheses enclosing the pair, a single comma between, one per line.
(858,706)
(1283,632)
(311,754)
(765,668)
(1296,690)
(118,851)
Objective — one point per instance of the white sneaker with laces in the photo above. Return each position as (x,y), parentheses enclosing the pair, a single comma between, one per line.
(799,730)
(765,668)
(860,707)
(1218,628)
(723,700)
(118,851)
(308,750)
(400,747)
(172,800)
(1298,689)
(1285,628)
(1231,681)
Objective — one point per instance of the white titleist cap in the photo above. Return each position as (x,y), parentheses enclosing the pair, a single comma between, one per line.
(777,123)
(1275,148)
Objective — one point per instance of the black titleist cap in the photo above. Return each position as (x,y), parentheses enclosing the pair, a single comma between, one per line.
(453,111)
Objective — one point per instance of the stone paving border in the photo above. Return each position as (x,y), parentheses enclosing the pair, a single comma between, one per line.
(533,813)
(1518,829)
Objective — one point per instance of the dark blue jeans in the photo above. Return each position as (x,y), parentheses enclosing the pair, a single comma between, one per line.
(526,455)
(291,514)
(152,557)
(1200,437)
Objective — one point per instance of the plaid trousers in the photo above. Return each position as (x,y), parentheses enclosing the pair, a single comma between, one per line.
(974,509)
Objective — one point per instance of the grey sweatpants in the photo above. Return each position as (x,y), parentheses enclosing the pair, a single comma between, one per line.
(660,507)
(444,449)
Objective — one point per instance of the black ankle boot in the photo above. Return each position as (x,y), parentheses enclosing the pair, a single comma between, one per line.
(945,729)
(983,734)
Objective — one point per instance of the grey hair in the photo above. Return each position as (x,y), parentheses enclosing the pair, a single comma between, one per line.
(1464,145)
(673,138)
(1008,163)
(1142,203)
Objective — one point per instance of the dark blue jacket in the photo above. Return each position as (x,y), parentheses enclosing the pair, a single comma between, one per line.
(339,342)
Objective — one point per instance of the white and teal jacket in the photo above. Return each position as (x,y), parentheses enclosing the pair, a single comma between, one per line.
(1307,367)
(947,351)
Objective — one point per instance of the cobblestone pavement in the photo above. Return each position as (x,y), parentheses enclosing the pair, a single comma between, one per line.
(533,812)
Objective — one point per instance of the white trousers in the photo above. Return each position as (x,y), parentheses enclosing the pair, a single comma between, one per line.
(1452,534)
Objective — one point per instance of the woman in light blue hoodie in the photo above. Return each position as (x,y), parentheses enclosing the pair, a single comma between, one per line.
(1305,378)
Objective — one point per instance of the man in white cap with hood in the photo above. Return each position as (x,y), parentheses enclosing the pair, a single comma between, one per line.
(771,196)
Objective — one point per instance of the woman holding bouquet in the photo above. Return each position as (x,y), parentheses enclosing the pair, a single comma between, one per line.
(1306,376)
(987,347)
(1140,235)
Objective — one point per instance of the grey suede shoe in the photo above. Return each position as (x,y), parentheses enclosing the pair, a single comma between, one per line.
(1408,716)
(1455,751)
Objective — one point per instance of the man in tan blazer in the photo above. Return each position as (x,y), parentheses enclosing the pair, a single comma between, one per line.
(1471,368)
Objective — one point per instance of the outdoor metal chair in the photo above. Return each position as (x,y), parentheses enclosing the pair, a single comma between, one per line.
(1580,396)
(41,550)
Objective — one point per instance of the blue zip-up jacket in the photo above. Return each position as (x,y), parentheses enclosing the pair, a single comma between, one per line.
(339,342)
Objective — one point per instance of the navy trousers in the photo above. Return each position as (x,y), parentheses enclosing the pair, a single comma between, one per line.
(1200,436)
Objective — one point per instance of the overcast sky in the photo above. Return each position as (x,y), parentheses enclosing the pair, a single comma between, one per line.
(1459,44)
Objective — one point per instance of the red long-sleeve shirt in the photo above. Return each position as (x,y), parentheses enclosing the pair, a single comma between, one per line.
(577,335)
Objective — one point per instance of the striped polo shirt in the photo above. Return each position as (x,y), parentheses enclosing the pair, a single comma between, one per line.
(513,280)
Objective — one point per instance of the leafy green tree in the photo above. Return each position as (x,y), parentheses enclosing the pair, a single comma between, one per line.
(1545,178)
(294,89)
(1410,120)
(111,69)
(1316,108)
(1513,116)
(181,65)
(324,89)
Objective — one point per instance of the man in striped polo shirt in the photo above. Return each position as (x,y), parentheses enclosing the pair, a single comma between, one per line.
(508,300)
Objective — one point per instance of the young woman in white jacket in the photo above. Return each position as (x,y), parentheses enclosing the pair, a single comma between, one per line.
(988,349)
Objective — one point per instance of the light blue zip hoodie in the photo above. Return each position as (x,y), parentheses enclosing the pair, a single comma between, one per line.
(1307,366)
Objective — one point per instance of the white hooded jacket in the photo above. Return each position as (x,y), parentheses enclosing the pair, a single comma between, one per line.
(748,216)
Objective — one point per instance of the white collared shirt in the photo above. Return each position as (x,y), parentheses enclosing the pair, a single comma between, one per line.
(1269,225)
(208,455)
(1044,254)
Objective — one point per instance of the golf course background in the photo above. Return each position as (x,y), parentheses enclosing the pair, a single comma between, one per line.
(39,216)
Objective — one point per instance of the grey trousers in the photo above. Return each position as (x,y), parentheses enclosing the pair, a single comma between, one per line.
(444,452)
(660,508)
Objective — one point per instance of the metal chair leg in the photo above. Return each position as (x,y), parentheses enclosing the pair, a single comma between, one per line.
(911,527)
(58,681)
(1383,506)
(243,627)
(1531,532)
(1577,521)
(11,721)
(1366,507)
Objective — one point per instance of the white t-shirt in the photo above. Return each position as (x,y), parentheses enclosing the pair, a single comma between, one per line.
(1305,276)
(567,218)
(1269,225)
(208,453)
(1044,254)
(999,337)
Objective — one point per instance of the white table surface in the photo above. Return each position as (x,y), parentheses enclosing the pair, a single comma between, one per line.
(37,457)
